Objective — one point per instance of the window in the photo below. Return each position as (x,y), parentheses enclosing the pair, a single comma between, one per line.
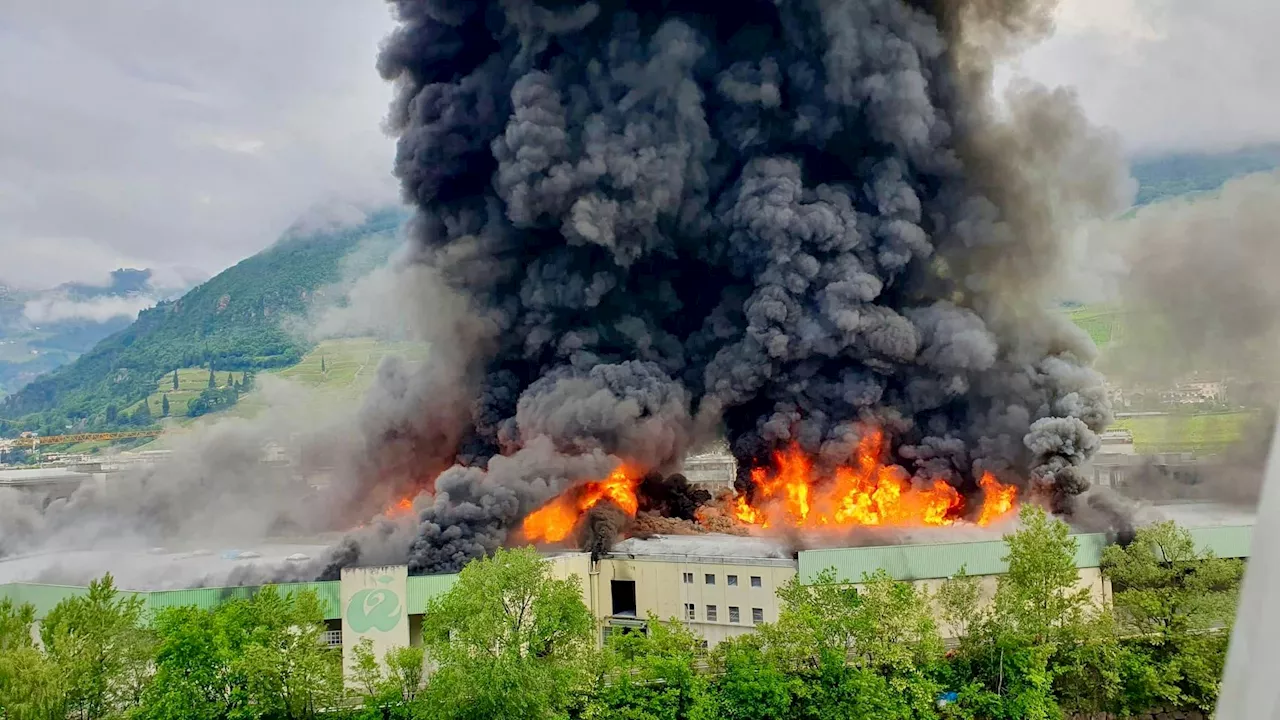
(755,581)
(731,580)
(734,615)
(711,613)
(624,597)
(688,578)
(703,644)
(688,611)
(711,579)
(757,616)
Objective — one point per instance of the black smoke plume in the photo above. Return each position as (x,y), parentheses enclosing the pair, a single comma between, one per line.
(671,497)
(780,221)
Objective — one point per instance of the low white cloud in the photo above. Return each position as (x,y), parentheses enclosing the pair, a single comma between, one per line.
(58,307)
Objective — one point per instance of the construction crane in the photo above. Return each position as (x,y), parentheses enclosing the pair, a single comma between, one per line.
(36,440)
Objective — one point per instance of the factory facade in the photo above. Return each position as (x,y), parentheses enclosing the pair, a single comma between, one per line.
(719,586)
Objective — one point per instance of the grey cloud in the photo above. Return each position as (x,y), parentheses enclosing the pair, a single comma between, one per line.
(1167,74)
(179,134)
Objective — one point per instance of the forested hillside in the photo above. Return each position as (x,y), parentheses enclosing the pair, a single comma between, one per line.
(230,323)
(1166,176)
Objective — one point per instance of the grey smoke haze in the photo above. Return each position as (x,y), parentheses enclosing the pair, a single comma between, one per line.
(1201,272)
(786,223)
(215,490)
(1198,276)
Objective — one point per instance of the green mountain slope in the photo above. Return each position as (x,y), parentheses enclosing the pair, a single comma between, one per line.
(1167,176)
(232,322)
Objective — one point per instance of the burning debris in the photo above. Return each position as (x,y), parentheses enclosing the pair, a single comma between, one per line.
(801,225)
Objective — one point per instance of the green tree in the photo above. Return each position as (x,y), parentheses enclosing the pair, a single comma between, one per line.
(31,688)
(213,382)
(854,653)
(231,380)
(959,603)
(1039,596)
(406,671)
(112,413)
(255,657)
(394,690)
(1177,604)
(509,641)
(323,369)
(164,405)
(175,379)
(652,676)
(1041,639)
(142,415)
(748,685)
(100,647)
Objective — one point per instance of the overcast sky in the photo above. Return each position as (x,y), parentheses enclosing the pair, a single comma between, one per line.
(184,136)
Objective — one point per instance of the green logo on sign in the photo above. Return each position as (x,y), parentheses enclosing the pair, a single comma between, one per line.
(374,609)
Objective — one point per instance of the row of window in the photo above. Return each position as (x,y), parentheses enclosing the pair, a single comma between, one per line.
(730,580)
(735,616)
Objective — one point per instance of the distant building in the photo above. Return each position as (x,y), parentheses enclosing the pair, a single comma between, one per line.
(712,471)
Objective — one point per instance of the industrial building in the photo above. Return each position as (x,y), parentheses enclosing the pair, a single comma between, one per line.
(718,585)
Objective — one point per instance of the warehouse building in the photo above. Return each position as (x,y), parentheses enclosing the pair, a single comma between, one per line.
(718,585)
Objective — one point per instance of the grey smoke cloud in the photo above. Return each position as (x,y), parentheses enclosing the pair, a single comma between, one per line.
(784,224)
(1199,273)
(1197,277)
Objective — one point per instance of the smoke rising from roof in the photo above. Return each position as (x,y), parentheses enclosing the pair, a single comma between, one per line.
(789,223)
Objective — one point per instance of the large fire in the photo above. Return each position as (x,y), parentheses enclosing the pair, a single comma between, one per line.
(865,492)
(554,521)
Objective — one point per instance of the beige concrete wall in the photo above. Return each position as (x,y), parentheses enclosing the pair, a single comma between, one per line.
(661,589)
(579,564)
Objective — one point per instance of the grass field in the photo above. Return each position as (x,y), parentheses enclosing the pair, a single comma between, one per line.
(1102,322)
(1185,433)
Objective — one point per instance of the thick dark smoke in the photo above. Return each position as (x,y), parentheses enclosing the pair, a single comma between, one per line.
(787,222)
(671,497)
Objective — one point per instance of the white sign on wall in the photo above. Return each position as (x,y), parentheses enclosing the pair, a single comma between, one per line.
(374,607)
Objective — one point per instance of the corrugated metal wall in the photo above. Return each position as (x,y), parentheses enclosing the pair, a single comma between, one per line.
(942,560)
(206,598)
(422,588)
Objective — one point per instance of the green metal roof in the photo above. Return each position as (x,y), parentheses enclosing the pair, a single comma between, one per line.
(421,589)
(942,560)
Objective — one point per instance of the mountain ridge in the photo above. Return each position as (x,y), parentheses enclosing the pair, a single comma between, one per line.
(231,322)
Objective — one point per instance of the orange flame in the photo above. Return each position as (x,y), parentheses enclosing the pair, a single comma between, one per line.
(402,507)
(554,521)
(997,501)
(864,492)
